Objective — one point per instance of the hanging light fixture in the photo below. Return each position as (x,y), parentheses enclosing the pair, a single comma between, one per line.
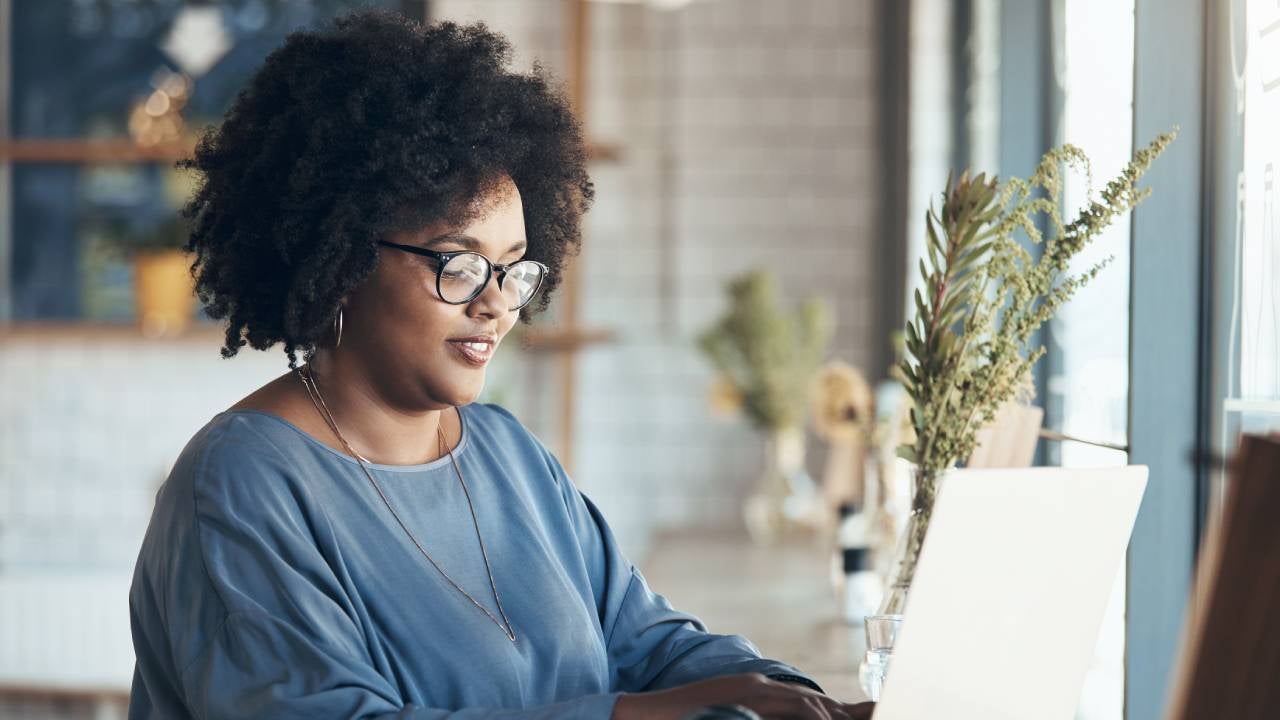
(197,39)
(656,4)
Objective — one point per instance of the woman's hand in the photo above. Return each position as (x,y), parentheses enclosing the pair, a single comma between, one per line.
(769,698)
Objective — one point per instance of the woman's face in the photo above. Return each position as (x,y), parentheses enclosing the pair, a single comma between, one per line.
(418,351)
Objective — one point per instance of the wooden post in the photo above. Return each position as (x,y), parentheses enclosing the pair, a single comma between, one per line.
(577,29)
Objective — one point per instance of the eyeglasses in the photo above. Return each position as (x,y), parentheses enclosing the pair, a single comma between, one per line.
(461,276)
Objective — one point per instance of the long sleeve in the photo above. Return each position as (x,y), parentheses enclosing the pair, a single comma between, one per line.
(260,667)
(258,624)
(651,645)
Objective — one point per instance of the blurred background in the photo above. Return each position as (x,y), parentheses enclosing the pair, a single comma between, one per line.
(805,139)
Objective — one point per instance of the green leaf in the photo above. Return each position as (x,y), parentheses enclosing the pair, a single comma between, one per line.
(950,320)
(953,302)
(909,371)
(932,232)
(907,452)
(946,342)
(972,255)
(913,338)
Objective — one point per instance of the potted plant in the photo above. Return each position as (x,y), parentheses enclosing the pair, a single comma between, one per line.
(984,295)
(766,359)
(164,290)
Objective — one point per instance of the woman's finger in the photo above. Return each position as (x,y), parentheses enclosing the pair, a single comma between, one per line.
(817,708)
(789,707)
(860,711)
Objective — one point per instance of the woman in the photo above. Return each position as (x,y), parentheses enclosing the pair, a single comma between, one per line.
(356,539)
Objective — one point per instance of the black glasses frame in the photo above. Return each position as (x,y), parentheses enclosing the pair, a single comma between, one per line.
(443,258)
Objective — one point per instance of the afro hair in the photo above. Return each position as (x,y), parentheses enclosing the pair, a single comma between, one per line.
(372,125)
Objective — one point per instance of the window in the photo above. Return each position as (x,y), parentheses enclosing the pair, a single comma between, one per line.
(1252,356)
(1088,384)
(81,70)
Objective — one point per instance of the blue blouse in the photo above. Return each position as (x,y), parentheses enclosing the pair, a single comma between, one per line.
(274,583)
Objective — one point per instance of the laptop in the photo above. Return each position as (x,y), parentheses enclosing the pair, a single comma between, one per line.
(1009,593)
(1229,661)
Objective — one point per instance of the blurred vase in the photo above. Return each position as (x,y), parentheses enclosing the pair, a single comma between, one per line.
(786,503)
(164,292)
(843,476)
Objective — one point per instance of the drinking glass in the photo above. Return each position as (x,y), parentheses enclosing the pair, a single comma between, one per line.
(882,632)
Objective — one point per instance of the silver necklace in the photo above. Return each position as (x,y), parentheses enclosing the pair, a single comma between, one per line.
(313,391)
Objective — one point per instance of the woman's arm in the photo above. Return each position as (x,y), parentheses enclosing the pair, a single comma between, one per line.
(651,645)
(669,664)
(665,660)
(755,692)
(260,667)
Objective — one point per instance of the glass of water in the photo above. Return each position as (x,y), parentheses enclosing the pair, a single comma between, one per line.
(882,632)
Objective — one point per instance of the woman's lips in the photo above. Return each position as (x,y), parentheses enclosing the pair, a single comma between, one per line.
(473,352)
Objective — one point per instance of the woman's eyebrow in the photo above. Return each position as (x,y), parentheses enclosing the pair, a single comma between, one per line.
(456,238)
(466,241)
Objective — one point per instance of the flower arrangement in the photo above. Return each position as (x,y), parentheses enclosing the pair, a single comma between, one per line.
(766,357)
(983,298)
(128,237)
(131,233)
(843,404)
(843,412)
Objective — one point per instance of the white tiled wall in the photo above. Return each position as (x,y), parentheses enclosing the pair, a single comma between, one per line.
(88,430)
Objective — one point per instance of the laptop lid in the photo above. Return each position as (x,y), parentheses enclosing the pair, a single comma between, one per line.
(1009,593)
(1230,655)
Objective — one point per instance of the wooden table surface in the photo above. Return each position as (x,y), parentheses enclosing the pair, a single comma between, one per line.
(778,597)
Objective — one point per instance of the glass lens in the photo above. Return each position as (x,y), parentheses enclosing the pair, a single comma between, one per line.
(521,282)
(462,276)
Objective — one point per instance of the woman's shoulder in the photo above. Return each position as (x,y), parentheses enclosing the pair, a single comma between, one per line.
(498,427)
(241,436)
(243,458)
(232,466)
(503,442)
(492,416)
(266,426)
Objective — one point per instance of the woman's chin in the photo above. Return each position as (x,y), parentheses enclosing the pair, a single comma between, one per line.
(466,391)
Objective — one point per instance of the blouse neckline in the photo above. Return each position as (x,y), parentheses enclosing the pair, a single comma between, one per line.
(439,462)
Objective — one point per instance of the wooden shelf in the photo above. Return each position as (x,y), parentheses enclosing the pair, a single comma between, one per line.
(548,340)
(41,332)
(559,340)
(604,152)
(78,151)
(125,151)
(55,694)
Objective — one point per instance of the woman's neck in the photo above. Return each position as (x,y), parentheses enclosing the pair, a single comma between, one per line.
(369,419)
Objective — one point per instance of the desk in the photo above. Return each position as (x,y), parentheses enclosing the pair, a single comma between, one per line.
(778,597)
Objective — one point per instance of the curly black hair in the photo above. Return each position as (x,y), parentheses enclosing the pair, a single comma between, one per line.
(374,124)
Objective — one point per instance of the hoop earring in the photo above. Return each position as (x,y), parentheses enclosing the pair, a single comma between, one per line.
(337,328)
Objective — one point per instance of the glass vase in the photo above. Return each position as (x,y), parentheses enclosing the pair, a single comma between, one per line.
(785,501)
(924,490)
